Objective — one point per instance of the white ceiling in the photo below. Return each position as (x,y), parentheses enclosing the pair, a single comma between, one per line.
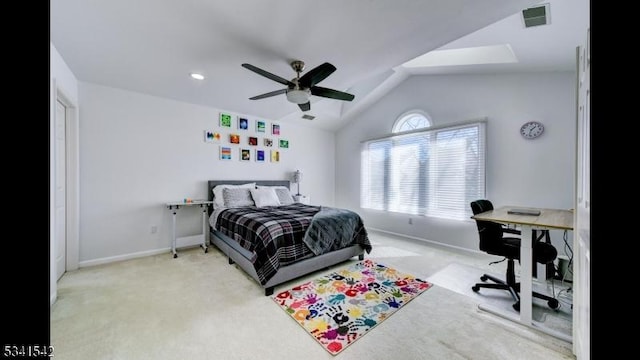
(540,48)
(151,46)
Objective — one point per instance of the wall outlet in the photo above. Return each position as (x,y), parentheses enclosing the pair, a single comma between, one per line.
(410,221)
(154,229)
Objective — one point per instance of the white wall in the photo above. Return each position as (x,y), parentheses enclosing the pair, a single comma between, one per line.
(138,152)
(60,78)
(537,173)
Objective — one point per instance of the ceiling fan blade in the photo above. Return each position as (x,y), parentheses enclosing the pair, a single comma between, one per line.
(273,93)
(268,75)
(316,75)
(330,93)
(305,107)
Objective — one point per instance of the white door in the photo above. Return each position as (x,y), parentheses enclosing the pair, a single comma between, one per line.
(60,189)
(581,241)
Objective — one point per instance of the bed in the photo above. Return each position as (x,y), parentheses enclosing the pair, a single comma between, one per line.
(281,256)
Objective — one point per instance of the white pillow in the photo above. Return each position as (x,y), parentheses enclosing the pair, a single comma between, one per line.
(283,193)
(218,199)
(237,197)
(265,197)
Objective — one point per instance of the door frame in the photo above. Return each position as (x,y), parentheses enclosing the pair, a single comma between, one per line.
(581,235)
(72,177)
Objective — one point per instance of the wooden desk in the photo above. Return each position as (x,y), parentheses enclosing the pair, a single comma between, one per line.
(549,219)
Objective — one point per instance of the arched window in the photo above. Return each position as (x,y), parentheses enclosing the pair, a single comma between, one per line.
(411,120)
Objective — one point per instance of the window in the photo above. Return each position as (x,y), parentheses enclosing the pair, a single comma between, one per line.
(433,172)
(411,121)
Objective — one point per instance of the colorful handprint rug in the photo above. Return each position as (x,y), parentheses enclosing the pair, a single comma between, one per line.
(341,307)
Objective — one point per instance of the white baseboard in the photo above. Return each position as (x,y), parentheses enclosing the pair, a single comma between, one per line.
(53,298)
(111,259)
(140,254)
(425,240)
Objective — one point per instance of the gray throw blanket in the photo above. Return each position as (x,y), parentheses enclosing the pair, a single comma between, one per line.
(333,229)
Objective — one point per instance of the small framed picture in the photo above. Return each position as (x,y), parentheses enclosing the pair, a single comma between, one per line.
(234,138)
(211,136)
(268,142)
(275,129)
(253,141)
(245,154)
(243,123)
(225,120)
(284,144)
(260,155)
(225,153)
(275,156)
(261,126)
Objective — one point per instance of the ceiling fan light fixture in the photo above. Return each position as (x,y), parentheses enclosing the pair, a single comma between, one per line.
(297,96)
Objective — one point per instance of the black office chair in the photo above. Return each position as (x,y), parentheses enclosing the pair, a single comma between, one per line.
(493,241)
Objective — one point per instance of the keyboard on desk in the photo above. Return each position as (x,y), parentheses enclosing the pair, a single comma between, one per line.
(531,212)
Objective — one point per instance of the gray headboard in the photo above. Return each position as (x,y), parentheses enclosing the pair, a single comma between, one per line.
(214,183)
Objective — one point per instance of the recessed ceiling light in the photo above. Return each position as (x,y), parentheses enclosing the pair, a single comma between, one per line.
(197,76)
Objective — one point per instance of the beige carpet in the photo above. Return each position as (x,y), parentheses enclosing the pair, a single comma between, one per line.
(460,278)
(199,307)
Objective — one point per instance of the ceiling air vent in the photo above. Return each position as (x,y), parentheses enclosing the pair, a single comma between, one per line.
(535,16)
(308,117)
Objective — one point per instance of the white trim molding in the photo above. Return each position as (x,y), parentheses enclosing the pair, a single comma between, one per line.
(425,240)
(73,178)
(110,259)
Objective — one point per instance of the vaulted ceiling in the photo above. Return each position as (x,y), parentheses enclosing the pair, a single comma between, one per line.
(151,46)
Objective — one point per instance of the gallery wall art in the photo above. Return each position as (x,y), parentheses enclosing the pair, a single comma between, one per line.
(261,126)
(234,138)
(243,123)
(225,153)
(225,120)
(275,156)
(212,136)
(245,154)
(260,155)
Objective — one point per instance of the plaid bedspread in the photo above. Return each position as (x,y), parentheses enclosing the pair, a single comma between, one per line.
(275,234)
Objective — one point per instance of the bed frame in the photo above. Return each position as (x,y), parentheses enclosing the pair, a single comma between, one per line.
(241,256)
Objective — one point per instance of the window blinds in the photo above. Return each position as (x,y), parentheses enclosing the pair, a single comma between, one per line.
(435,172)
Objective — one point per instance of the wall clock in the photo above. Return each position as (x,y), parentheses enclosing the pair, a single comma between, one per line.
(531,129)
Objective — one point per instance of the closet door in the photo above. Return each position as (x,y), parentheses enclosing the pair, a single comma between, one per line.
(581,234)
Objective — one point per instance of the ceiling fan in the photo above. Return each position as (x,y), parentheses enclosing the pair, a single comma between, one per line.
(299,89)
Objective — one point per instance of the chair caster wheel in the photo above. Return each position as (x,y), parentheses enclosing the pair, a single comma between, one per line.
(553,303)
(483,278)
(175,256)
(475,288)
(516,306)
